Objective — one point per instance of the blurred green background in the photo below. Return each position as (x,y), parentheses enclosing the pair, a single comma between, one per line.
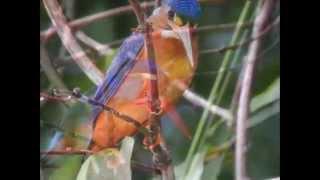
(65,119)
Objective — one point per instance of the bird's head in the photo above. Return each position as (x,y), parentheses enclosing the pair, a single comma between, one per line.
(175,19)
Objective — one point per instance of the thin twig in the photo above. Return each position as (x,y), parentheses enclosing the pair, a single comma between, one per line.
(55,13)
(200,137)
(161,156)
(69,11)
(67,96)
(220,27)
(205,28)
(67,152)
(54,97)
(49,70)
(244,43)
(102,49)
(200,101)
(138,11)
(82,22)
(244,98)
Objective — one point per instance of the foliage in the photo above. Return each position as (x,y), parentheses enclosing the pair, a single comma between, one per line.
(109,163)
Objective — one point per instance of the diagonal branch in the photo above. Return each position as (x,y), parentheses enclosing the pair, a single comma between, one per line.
(244,99)
(65,96)
(200,101)
(59,21)
(82,22)
(101,49)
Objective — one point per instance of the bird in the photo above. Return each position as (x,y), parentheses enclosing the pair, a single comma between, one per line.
(127,80)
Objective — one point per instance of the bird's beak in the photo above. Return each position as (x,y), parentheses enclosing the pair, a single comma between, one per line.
(184,34)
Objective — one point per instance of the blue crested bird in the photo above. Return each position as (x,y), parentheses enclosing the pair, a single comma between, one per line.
(127,82)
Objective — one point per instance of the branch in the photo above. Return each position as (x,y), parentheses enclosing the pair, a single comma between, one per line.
(244,98)
(64,96)
(102,49)
(198,100)
(211,28)
(67,152)
(219,27)
(246,42)
(55,13)
(161,156)
(82,22)
(138,11)
(49,70)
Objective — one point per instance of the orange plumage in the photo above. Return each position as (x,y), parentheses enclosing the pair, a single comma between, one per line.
(174,69)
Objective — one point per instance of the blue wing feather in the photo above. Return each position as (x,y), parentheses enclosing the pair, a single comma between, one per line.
(118,70)
(188,8)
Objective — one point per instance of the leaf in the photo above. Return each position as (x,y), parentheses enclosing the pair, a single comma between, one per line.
(68,166)
(109,164)
(265,114)
(212,169)
(276,178)
(271,94)
(196,168)
(266,104)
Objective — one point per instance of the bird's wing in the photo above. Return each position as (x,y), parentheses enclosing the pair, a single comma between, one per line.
(118,70)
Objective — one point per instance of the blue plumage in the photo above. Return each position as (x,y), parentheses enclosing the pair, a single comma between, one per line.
(188,8)
(118,70)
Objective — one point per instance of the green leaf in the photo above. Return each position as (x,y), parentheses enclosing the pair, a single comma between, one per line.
(265,114)
(212,169)
(266,104)
(271,94)
(196,168)
(109,164)
(68,166)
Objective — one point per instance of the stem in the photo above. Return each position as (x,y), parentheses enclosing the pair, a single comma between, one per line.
(85,21)
(138,11)
(245,93)
(55,13)
(200,101)
(67,152)
(98,47)
(215,87)
(161,156)
(220,27)
(49,70)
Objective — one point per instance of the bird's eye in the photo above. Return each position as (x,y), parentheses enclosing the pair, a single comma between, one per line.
(171,14)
